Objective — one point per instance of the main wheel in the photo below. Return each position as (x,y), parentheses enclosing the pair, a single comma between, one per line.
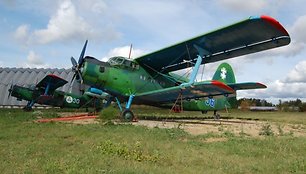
(27,109)
(127,115)
(217,116)
(204,112)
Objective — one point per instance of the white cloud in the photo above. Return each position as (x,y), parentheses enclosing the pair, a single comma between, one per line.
(63,25)
(293,86)
(298,39)
(22,33)
(34,61)
(277,89)
(170,20)
(123,51)
(67,23)
(298,29)
(242,5)
(95,6)
(298,74)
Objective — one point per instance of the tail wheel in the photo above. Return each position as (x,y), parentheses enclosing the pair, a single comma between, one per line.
(127,115)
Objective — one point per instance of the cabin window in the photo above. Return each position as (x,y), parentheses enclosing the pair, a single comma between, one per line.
(127,63)
(134,65)
(119,61)
(102,69)
(122,61)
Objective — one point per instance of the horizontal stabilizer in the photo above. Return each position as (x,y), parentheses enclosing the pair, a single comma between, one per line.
(196,91)
(53,81)
(246,85)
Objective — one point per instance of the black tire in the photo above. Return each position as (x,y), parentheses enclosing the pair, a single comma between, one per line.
(99,109)
(27,109)
(217,116)
(127,115)
(204,112)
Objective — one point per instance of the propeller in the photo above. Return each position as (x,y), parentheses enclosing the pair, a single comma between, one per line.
(76,66)
(10,90)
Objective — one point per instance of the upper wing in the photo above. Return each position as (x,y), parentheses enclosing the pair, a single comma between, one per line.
(246,85)
(197,90)
(53,81)
(248,36)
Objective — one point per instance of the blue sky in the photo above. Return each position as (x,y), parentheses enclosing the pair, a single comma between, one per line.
(46,33)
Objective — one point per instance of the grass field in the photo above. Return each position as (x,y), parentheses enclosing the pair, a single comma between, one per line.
(30,147)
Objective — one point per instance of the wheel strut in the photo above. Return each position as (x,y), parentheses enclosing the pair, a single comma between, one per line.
(127,114)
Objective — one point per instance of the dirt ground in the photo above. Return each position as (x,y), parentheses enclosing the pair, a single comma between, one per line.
(235,126)
(238,127)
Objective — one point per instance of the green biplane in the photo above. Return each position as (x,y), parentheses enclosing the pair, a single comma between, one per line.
(148,79)
(45,93)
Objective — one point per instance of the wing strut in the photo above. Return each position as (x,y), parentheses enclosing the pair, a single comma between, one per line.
(201,53)
(47,89)
(174,107)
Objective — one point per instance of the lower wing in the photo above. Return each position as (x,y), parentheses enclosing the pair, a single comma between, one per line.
(197,90)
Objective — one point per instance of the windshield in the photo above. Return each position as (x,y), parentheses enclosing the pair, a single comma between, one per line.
(116,60)
(124,62)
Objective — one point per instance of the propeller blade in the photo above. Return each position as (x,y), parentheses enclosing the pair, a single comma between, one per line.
(81,58)
(76,65)
(10,91)
(74,62)
(80,77)
(73,77)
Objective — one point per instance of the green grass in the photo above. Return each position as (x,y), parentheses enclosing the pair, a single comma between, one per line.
(29,147)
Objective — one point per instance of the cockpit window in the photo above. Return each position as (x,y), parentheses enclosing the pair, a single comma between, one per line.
(116,60)
(121,61)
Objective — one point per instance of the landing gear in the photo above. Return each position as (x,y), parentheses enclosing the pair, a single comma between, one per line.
(27,109)
(216,115)
(127,115)
(204,112)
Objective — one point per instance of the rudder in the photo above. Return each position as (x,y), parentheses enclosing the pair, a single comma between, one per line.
(225,74)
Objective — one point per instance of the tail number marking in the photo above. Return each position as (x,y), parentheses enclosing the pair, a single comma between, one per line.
(70,99)
(210,102)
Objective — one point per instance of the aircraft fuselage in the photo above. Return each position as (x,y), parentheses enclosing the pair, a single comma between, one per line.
(122,80)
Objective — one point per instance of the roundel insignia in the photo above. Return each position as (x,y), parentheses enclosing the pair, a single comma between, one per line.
(69,99)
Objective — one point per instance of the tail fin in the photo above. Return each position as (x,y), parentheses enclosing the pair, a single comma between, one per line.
(225,74)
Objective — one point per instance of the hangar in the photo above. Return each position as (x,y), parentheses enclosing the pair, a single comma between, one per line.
(29,77)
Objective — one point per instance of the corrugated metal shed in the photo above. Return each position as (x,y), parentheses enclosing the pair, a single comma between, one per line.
(28,77)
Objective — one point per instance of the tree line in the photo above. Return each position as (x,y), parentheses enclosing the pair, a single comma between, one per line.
(291,105)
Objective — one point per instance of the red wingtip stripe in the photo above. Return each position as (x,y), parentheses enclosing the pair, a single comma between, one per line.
(274,23)
(222,85)
(52,75)
(263,85)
